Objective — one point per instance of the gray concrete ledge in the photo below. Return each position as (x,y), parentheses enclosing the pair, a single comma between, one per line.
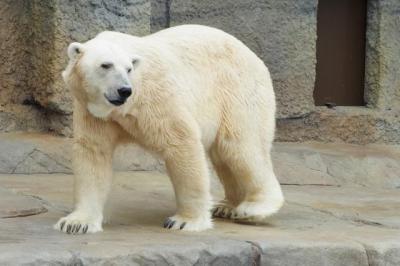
(309,163)
(319,225)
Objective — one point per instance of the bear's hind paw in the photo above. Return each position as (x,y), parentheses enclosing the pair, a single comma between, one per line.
(256,211)
(222,210)
(178,222)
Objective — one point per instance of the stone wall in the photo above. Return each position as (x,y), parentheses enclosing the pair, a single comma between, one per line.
(383,54)
(74,20)
(34,52)
(283,33)
(15,63)
(379,120)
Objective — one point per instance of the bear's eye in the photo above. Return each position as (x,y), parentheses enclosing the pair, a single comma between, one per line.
(106,65)
(129,70)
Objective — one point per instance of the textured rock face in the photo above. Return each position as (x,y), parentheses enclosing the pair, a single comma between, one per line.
(282,33)
(15,65)
(296,164)
(33,49)
(36,153)
(14,51)
(15,117)
(57,23)
(160,14)
(343,124)
(383,57)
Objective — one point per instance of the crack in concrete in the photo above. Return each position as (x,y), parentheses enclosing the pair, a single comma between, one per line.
(369,259)
(346,218)
(23,160)
(75,259)
(367,222)
(25,213)
(256,255)
(29,155)
(48,205)
(319,185)
(52,159)
(13,212)
(367,253)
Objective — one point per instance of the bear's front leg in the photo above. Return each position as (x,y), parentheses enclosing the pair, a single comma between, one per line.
(92,164)
(187,168)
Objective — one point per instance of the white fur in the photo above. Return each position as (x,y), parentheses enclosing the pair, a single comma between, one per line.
(197,92)
(98,110)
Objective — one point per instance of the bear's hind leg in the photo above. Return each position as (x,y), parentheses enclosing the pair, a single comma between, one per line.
(233,192)
(254,172)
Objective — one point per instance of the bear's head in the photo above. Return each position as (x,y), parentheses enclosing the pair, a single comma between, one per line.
(100,75)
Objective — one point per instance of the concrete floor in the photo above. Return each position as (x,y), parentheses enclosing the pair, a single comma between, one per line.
(319,225)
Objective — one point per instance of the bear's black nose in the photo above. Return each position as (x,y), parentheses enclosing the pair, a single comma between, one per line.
(124,92)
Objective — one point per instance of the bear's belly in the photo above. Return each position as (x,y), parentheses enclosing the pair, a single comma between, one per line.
(209,130)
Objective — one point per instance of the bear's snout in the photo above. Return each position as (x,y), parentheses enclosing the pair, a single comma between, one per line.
(124,92)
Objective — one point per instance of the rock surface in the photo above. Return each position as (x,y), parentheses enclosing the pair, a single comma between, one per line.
(14,205)
(13,51)
(75,21)
(30,153)
(295,163)
(318,225)
(382,56)
(343,124)
(33,49)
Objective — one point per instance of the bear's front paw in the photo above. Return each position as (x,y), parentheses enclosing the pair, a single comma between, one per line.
(79,223)
(178,222)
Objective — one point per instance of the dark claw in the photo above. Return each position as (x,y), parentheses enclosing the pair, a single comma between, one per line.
(167,222)
(78,228)
(69,229)
(171,224)
(215,212)
(182,225)
(62,225)
(85,228)
(73,228)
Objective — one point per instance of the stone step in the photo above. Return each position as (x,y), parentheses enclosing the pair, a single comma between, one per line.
(318,225)
(331,164)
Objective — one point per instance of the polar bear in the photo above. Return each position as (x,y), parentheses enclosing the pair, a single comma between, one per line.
(184,93)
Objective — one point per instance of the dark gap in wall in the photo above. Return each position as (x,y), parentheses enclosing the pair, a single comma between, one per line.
(341,30)
(31,101)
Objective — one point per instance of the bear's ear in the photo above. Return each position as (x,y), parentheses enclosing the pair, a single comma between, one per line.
(136,59)
(75,49)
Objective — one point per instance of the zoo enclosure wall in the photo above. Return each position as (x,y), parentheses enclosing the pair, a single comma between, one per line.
(34,36)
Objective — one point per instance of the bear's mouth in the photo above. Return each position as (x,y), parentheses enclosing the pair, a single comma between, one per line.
(116,102)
